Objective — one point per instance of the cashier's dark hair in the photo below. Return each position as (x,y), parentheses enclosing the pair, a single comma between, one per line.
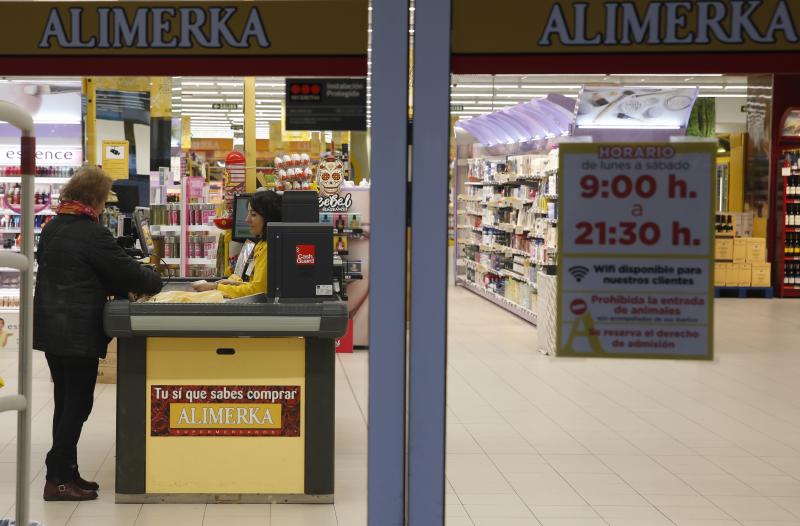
(268,205)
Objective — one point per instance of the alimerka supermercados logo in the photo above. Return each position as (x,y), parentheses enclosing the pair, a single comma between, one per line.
(153,28)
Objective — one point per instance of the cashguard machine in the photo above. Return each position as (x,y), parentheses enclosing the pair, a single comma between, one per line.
(232,402)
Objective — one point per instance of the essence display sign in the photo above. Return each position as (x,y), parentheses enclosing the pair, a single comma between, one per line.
(636,239)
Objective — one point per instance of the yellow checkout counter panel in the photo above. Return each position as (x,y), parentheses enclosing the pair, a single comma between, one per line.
(226,402)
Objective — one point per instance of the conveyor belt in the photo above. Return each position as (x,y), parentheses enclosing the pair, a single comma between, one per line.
(123,319)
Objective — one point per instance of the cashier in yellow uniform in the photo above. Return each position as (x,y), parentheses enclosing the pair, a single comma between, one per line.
(263,207)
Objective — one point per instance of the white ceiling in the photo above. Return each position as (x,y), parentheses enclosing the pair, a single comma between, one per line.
(478,94)
(484,93)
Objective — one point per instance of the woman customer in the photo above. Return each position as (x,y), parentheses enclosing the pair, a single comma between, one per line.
(264,207)
(80,266)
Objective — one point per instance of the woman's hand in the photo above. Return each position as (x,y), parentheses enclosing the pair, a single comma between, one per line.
(202,286)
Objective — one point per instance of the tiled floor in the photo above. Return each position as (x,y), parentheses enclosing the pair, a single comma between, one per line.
(535,440)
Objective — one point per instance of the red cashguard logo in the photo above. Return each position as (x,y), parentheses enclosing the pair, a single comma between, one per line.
(305,254)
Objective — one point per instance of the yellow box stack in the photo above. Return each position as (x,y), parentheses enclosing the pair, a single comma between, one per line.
(739,261)
(107,371)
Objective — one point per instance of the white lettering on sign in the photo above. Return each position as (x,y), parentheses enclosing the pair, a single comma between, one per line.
(153,27)
(336,203)
(228,416)
(63,156)
(671,23)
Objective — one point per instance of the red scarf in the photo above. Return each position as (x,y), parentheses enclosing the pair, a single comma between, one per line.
(76,208)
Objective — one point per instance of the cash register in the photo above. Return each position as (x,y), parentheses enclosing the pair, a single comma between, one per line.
(233,402)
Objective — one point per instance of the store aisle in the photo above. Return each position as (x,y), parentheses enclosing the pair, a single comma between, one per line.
(577,442)
(533,440)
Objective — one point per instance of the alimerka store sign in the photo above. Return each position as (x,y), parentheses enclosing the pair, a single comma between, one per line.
(670,26)
(330,27)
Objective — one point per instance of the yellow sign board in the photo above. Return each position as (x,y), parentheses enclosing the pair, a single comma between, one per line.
(632,26)
(115,159)
(279,27)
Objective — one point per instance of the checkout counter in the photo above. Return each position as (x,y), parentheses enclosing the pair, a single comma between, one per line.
(229,402)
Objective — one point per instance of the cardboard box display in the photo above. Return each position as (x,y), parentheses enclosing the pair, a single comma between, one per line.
(723,249)
(740,249)
(744,271)
(107,374)
(731,275)
(756,249)
(742,223)
(761,275)
(719,274)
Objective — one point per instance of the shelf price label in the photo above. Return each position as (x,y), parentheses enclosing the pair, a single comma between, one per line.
(636,236)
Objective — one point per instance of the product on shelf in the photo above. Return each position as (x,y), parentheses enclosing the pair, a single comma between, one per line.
(41,171)
(788,256)
(294,172)
(507,225)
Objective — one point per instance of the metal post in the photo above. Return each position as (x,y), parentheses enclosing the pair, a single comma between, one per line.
(90,91)
(24,262)
(429,220)
(28,154)
(387,320)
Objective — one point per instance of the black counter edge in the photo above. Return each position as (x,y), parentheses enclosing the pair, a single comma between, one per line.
(131,414)
(320,416)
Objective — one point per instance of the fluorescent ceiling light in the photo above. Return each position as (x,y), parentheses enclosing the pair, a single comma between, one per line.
(526,96)
(217,100)
(188,83)
(678,75)
(723,95)
(486,86)
(551,86)
(231,84)
(628,127)
(736,87)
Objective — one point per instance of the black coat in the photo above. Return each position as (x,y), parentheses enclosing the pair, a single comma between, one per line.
(80,265)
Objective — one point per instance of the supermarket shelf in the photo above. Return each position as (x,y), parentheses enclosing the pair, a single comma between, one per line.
(17,230)
(9,291)
(482,183)
(353,231)
(203,228)
(39,180)
(202,261)
(171,261)
(495,298)
(167,228)
(9,212)
(517,276)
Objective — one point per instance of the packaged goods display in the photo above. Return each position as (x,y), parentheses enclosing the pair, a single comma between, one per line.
(740,261)
(507,226)
(293,172)
(787,251)
(41,171)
